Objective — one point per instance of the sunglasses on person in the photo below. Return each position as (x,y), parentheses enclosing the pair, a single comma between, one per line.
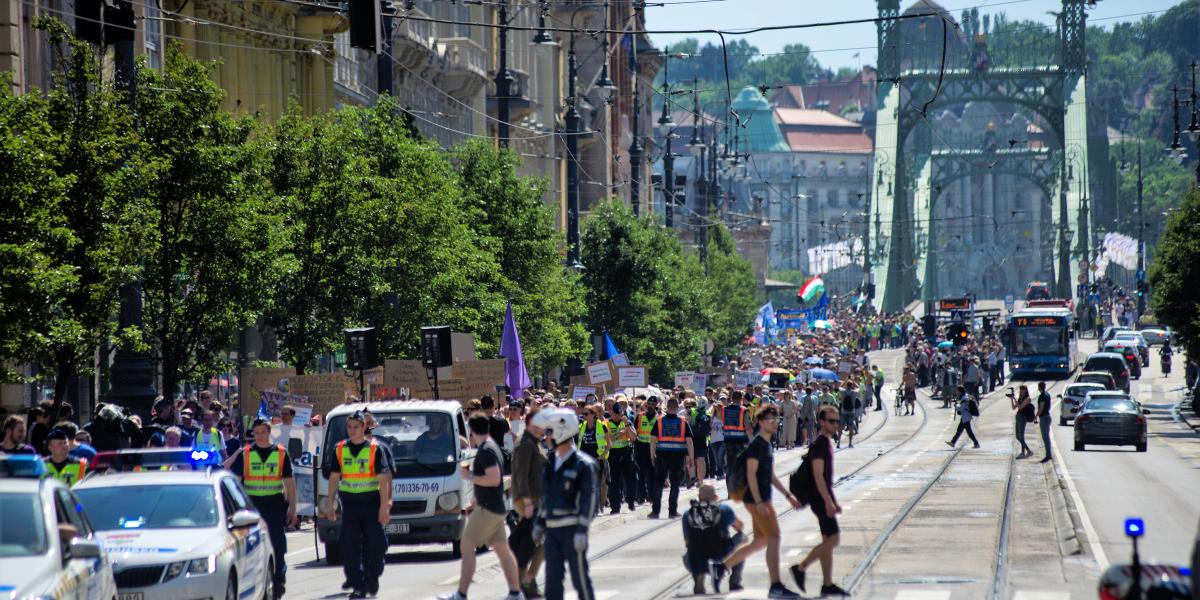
(832,420)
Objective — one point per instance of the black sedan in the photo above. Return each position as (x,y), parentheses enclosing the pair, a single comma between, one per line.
(1110,422)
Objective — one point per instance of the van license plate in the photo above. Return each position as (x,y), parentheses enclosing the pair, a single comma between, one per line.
(399,528)
(130,596)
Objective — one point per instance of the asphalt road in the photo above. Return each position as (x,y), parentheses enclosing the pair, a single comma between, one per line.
(921,521)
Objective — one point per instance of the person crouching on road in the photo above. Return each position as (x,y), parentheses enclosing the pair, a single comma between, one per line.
(707,533)
(266,472)
(568,507)
(486,523)
(360,474)
(823,505)
(760,478)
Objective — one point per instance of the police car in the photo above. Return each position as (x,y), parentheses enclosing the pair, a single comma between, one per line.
(177,526)
(47,546)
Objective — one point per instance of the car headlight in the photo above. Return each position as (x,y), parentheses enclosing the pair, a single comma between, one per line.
(174,570)
(448,502)
(191,568)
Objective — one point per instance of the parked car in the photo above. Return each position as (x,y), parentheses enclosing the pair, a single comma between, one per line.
(1104,378)
(1114,364)
(1074,395)
(1110,421)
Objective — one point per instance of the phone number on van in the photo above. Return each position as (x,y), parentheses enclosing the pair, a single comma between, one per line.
(417,487)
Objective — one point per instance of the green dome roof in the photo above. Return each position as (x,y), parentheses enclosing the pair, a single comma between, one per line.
(759,131)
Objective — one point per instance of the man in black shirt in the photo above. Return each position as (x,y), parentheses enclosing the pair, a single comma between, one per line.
(824,505)
(1044,420)
(266,473)
(760,477)
(498,427)
(485,524)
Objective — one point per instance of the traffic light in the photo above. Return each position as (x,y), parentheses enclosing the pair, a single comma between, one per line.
(959,333)
(1143,288)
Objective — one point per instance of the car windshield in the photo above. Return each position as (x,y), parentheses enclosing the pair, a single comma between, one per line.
(1105,364)
(425,440)
(1029,341)
(165,506)
(1109,404)
(1082,390)
(22,532)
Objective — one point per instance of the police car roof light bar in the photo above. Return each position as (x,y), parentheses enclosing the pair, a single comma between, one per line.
(141,459)
(22,466)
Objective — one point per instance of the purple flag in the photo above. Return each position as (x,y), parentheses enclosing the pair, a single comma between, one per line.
(515,376)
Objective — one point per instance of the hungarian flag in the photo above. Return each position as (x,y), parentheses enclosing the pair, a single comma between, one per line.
(811,291)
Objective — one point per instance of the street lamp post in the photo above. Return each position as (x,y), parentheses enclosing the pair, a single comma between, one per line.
(666,126)
(1141,249)
(504,79)
(572,119)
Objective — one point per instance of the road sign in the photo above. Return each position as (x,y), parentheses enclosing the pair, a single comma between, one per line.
(1141,275)
(1010,303)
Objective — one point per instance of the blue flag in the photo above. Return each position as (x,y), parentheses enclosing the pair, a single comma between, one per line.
(610,348)
(764,324)
(263,413)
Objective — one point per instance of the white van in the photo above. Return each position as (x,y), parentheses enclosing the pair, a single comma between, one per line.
(429,496)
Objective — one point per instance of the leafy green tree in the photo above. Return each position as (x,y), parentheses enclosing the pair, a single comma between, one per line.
(87,223)
(644,290)
(795,65)
(506,213)
(1175,271)
(733,289)
(215,241)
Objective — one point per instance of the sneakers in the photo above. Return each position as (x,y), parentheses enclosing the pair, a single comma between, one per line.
(833,591)
(778,592)
(514,596)
(716,569)
(951,444)
(615,511)
(360,595)
(346,585)
(451,596)
(976,444)
(672,515)
(531,590)
(653,515)
(1046,460)
(798,575)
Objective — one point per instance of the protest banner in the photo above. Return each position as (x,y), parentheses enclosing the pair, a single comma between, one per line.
(599,373)
(620,360)
(254,380)
(631,376)
(276,400)
(756,363)
(407,374)
(683,379)
(480,377)
(324,390)
(699,382)
(744,378)
(580,392)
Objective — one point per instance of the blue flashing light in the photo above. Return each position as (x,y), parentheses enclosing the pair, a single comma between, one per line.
(24,466)
(199,455)
(1134,527)
(1185,571)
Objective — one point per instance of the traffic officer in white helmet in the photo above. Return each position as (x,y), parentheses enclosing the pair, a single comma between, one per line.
(569,503)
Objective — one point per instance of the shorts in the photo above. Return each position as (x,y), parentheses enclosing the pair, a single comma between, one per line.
(765,526)
(828,524)
(484,528)
(849,422)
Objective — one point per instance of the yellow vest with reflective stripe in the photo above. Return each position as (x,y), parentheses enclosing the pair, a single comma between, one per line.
(619,440)
(262,477)
(643,430)
(358,471)
(71,472)
(214,439)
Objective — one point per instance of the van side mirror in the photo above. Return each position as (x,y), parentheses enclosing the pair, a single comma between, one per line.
(84,549)
(243,519)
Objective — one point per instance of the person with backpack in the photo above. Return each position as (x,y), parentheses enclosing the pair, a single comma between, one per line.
(711,530)
(737,429)
(848,401)
(701,426)
(967,409)
(813,484)
(754,488)
(1026,414)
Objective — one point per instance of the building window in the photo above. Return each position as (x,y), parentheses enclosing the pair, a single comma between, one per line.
(152,34)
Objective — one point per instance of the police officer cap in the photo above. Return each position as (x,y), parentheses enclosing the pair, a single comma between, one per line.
(57,434)
(358,415)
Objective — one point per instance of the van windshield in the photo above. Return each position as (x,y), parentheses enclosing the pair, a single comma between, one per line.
(423,444)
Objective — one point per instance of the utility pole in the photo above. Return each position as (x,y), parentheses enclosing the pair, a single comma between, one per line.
(635,148)
(1141,249)
(132,371)
(572,119)
(504,79)
(383,60)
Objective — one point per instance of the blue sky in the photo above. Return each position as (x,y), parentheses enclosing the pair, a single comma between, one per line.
(836,46)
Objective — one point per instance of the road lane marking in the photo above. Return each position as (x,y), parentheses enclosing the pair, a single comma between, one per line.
(1093,537)
(1041,595)
(923,595)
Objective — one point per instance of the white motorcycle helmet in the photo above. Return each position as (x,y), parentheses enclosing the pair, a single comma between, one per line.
(560,423)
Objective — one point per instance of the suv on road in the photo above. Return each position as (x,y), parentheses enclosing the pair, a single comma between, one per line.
(1113,363)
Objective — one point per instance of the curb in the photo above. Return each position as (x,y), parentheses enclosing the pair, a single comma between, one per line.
(1183,409)
(1065,518)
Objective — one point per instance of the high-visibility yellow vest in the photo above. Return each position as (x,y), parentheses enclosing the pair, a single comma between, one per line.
(71,472)
(214,439)
(262,477)
(358,471)
(601,437)
(619,440)
(643,429)
(670,434)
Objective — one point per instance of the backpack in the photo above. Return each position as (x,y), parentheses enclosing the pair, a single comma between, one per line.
(701,426)
(973,407)
(800,484)
(737,483)
(705,535)
(1029,413)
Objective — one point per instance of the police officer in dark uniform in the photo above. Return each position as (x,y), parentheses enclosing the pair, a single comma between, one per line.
(266,472)
(671,451)
(568,506)
(737,429)
(360,474)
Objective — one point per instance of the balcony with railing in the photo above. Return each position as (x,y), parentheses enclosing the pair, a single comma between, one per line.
(466,66)
(413,41)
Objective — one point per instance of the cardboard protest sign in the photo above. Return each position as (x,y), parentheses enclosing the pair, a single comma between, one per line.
(407,374)
(254,380)
(324,390)
(756,363)
(684,379)
(619,360)
(745,378)
(276,401)
(580,392)
(631,376)
(699,382)
(600,372)
(480,377)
